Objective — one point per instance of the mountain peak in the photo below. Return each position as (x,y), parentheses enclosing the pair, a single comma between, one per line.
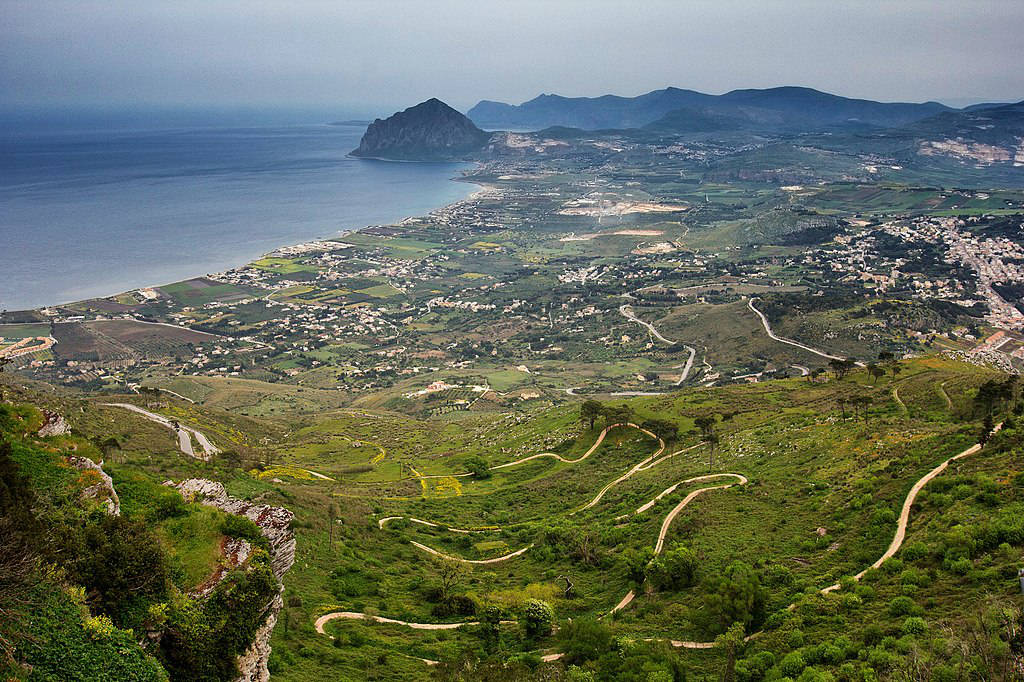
(428,131)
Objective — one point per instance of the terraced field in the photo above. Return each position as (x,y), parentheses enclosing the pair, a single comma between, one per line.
(451,522)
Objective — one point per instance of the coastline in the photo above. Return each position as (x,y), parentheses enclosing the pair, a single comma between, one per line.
(472,195)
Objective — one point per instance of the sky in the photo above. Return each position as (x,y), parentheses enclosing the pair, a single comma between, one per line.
(370,58)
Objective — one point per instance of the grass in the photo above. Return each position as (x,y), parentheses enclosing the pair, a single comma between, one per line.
(809,469)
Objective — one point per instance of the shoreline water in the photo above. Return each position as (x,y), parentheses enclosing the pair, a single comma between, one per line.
(480,189)
(94,216)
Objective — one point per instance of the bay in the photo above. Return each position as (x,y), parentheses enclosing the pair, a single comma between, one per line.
(86,214)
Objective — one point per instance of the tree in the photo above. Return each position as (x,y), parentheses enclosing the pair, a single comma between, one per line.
(986,431)
(662,428)
(842,366)
(477,466)
(732,642)
(538,619)
(583,640)
(842,406)
(876,372)
(712,439)
(735,597)
(860,404)
(706,423)
(451,573)
(635,561)
(673,569)
(590,410)
(622,414)
(332,514)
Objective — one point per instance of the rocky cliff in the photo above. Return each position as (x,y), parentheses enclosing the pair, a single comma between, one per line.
(429,131)
(275,524)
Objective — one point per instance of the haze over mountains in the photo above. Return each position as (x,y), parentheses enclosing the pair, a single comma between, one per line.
(989,133)
(775,109)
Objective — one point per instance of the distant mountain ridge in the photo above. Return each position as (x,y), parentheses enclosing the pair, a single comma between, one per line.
(429,131)
(782,108)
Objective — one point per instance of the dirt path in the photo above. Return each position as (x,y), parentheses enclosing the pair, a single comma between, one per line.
(476,562)
(908,503)
(659,545)
(623,477)
(774,336)
(894,546)
(945,396)
(628,314)
(896,397)
(588,453)
(183,432)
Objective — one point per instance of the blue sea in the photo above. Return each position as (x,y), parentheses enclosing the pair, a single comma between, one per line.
(86,214)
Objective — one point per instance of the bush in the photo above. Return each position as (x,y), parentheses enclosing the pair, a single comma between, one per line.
(478,467)
(872,634)
(792,664)
(753,668)
(915,552)
(635,562)
(914,625)
(584,640)
(735,597)
(538,619)
(815,675)
(238,526)
(673,569)
(901,606)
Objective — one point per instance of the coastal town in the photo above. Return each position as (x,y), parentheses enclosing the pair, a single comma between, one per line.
(531,270)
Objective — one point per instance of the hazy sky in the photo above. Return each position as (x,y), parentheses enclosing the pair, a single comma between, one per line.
(377,55)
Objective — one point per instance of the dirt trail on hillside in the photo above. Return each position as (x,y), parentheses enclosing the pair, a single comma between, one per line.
(780,339)
(182,432)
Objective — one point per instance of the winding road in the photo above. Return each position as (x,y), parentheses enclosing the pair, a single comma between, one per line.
(627,312)
(894,546)
(182,432)
(791,342)
(645,464)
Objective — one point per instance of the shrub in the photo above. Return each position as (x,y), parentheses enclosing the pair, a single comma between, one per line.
(635,562)
(753,668)
(673,569)
(872,634)
(735,597)
(901,606)
(815,675)
(478,467)
(538,618)
(238,526)
(915,552)
(914,625)
(99,627)
(583,640)
(792,664)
